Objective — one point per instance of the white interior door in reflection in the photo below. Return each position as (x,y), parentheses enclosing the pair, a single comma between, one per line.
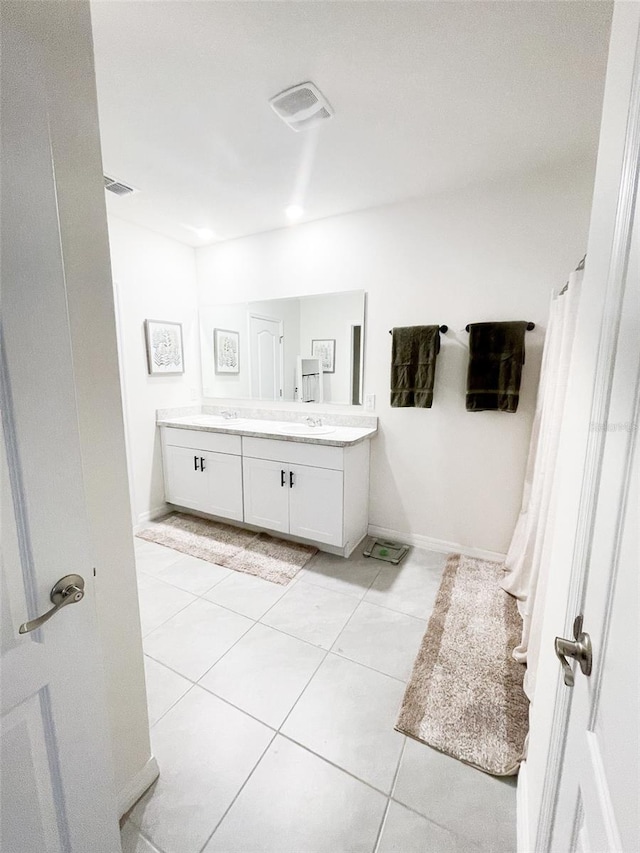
(265,345)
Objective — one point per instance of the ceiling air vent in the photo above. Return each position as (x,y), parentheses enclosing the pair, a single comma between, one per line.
(301,106)
(117,187)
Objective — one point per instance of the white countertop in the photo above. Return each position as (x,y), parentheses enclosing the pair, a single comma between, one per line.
(340,436)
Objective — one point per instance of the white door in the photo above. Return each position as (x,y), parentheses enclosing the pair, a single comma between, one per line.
(223,473)
(315,504)
(582,766)
(597,807)
(265,345)
(185,481)
(266,494)
(56,779)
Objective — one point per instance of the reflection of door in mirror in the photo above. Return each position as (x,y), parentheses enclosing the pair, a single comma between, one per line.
(356,365)
(265,347)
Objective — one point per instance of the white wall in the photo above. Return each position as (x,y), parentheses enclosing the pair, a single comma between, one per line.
(154,278)
(489,252)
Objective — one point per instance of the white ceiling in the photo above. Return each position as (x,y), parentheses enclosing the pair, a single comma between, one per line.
(427,96)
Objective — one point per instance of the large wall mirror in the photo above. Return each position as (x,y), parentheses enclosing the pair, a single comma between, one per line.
(307,349)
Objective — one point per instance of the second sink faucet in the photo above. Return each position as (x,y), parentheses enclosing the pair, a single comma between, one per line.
(313,422)
(228,414)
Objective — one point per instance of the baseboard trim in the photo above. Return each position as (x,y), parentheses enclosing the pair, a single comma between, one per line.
(150,515)
(439,545)
(522,811)
(136,787)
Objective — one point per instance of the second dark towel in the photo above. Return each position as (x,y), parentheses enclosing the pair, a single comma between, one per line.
(413,365)
(496,356)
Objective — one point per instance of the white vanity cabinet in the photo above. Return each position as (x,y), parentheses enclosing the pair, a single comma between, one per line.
(315,492)
(310,491)
(296,499)
(203,471)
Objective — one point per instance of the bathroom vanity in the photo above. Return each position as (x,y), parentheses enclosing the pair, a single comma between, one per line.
(308,482)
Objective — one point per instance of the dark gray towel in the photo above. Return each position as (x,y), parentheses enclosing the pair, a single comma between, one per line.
(496,356)
(413,365)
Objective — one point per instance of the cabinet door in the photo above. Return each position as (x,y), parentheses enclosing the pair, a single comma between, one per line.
(266,499)
(184,484)
(315,504)
(223,474)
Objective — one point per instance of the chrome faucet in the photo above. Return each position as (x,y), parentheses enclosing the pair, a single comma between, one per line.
(313,422)
(228,414)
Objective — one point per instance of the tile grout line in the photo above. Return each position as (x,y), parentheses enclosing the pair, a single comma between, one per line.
(292,636)
(376,843)
(295,580)
(389,800)
(316,670)
(366,665)
(255,622)
(333,764)
(389,796)
(280,630)
(330,651)
(458,835)
(173,704)
(398,765)
(226,652)
(144,636)
(240,790)
(280,733)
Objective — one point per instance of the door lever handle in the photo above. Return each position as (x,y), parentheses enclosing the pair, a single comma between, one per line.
(578,649)
(68,590)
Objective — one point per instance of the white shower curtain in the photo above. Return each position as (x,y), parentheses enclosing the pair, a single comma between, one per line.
(528,556)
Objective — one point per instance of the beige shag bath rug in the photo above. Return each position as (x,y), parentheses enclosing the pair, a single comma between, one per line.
(241,550)
(465,694)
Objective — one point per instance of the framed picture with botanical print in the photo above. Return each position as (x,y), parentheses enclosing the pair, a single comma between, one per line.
(164,347)
(226,351)
(325,350)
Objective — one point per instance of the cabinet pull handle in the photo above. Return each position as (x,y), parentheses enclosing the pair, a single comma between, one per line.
(283,475)
(195,463)
(202,463)
(291,480)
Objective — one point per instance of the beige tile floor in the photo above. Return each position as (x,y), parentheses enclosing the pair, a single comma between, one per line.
(272,712)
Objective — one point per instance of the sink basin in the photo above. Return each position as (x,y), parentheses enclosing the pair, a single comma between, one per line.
(217,420)
(305,429)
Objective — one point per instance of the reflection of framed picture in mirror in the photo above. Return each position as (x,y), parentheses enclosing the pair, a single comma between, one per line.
(325,350)
(164,347)
(226,351)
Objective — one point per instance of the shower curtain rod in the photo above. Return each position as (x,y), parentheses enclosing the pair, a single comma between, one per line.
(577,269)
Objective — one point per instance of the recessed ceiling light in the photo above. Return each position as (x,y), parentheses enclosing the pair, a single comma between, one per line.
(294,212)
(205,233)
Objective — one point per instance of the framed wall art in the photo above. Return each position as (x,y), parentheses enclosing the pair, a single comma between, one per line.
(226,351)
(325,350)
(164,347)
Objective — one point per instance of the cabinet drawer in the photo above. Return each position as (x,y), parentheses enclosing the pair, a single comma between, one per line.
(196,439)
(294,452)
